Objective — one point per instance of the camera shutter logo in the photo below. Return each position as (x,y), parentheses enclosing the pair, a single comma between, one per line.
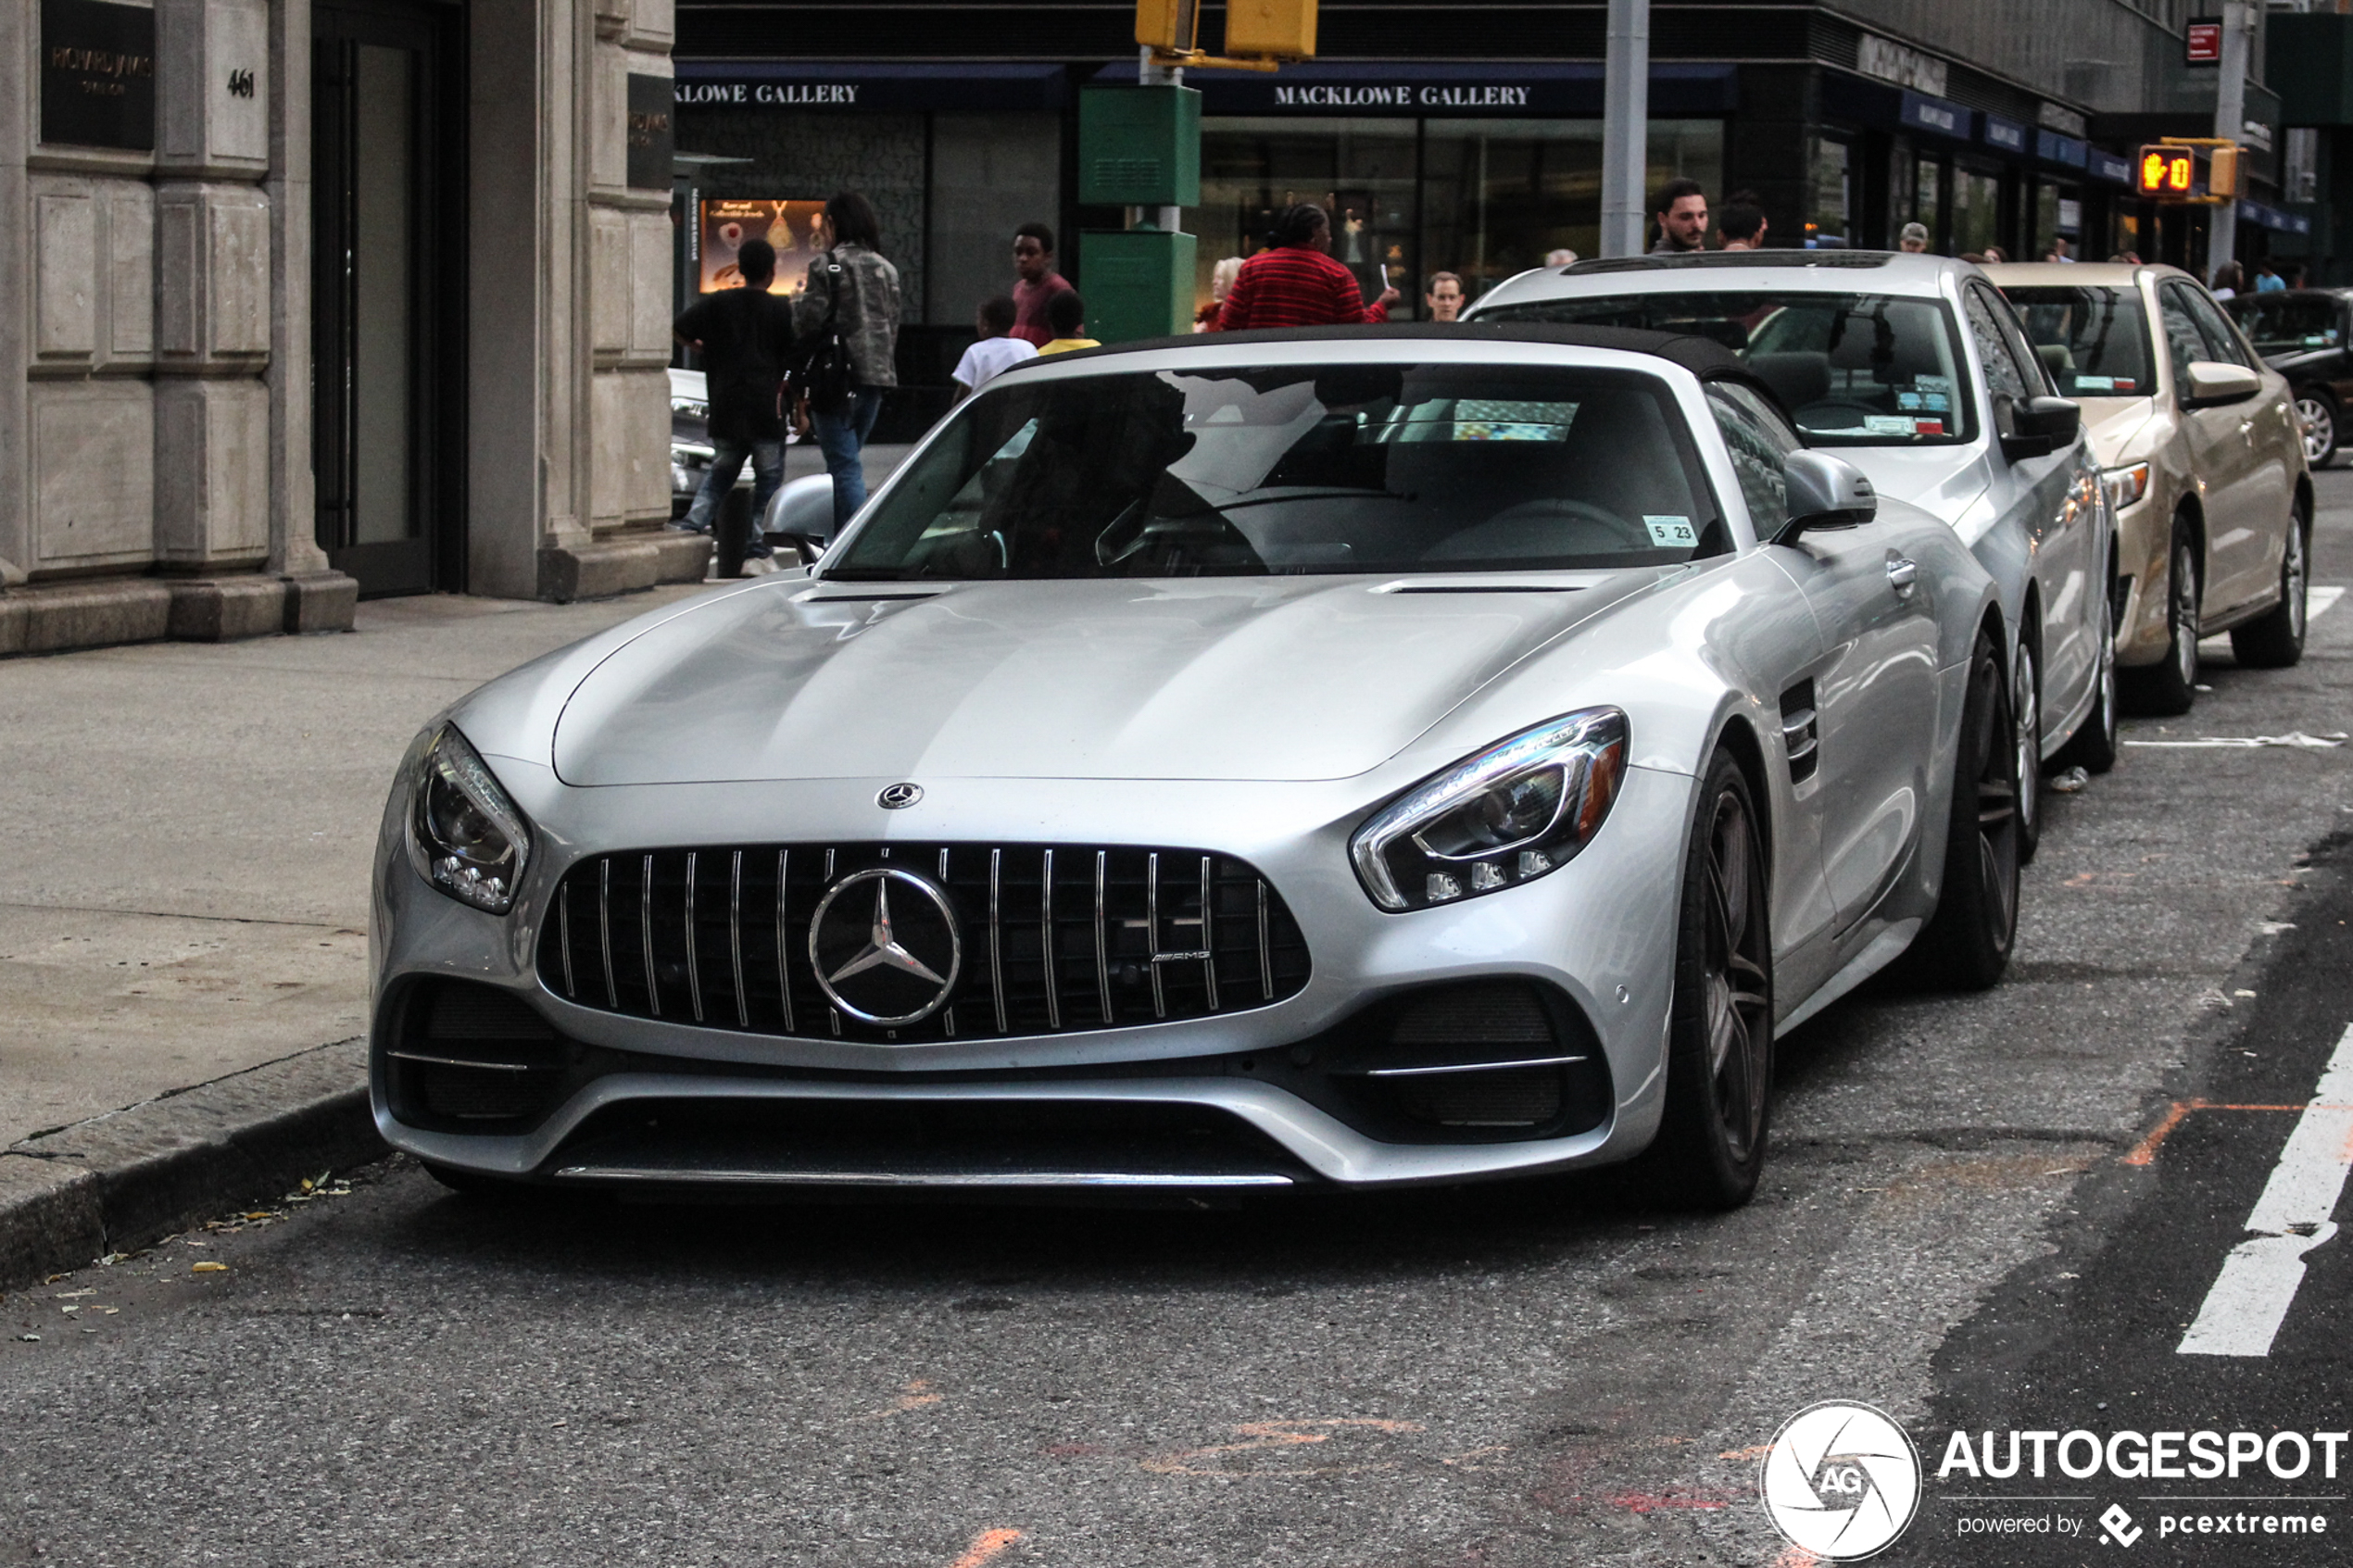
(1841,1481)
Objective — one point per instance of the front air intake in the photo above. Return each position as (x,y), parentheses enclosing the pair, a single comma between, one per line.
(472,1056)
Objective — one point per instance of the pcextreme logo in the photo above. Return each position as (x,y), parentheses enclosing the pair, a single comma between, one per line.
(1841,1481)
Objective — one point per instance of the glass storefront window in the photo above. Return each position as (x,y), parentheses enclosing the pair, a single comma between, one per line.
(1828,216)
(1977,210)
(1480,199)
(1928,198)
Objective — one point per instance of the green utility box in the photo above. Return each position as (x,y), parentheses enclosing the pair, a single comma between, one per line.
(1140,282)
(1140,147)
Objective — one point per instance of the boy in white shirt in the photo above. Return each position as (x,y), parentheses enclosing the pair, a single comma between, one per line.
(996,352)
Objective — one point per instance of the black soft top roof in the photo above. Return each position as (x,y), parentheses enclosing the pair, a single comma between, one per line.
(1703,356)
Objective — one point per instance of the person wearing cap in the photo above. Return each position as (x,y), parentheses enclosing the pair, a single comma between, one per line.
(1913,240)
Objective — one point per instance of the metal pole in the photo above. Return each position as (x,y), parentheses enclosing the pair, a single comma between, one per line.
(1150,72)
(2230,120)
(1626,113)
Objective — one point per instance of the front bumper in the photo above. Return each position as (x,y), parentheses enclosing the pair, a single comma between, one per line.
(654,1100)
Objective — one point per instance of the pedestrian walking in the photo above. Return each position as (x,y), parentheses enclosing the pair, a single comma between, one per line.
(2059,250)
(1741,226)
(1560,257)
(745,336)
(1221,284)
(2228,280)
(1683,219)
(849,308)
(2268,279)
(1296,283)
(1444,299)
(1034,282)
(1913,239)
(995,351)
(1066,312)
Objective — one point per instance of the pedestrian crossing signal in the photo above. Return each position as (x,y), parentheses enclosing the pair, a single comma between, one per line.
(2169,173)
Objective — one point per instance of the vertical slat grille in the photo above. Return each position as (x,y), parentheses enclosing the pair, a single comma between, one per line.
(1056,938)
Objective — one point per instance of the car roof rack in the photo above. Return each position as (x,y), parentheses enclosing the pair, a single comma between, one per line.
(1711,259)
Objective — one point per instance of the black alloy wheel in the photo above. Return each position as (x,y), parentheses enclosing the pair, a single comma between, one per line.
(1966,945)
(1719,1074)
(2167,687)
(2316,410)
(2093,745)
(2026,715)
(2277,640)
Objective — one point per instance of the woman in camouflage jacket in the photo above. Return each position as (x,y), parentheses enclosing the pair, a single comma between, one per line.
(852,283)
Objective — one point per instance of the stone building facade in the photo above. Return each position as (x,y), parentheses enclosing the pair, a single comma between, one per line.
(305,299)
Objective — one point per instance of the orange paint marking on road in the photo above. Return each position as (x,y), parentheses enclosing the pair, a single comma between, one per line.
(2145,1150)
(1757,1452)
(916,1396)
(1795,1557)
(986,1545)
(1274,1435)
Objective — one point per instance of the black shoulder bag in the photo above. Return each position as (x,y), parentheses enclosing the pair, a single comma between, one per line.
(826,375)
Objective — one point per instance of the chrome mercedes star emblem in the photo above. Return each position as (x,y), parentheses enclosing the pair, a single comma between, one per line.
(899,797)
(884,969)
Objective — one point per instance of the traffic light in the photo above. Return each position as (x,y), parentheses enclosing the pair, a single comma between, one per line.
(1169,26)
(2169,173)
(1271,29)
(2222,172)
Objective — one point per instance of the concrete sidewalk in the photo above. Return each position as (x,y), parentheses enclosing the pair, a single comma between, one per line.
(185,890)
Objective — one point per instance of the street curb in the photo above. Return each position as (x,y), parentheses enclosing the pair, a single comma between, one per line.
(122,1180)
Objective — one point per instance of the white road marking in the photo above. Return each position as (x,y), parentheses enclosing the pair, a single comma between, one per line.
(2243,1311)
(2317,601)
(2295,739)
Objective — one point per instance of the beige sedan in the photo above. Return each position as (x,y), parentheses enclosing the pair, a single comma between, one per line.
(2203,459)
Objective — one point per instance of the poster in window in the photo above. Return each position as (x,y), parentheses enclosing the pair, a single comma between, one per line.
(789,225)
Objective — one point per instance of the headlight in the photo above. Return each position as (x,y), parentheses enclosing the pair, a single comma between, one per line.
(1509,815)
(465,836)
(2125,485)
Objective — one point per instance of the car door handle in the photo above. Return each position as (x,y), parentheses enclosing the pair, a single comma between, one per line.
(1901,574)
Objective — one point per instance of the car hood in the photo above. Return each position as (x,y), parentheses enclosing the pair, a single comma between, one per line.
(2114,423)
(1229,679)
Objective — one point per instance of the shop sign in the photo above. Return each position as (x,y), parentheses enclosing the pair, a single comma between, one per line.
(2007,135)
(1890,61)
(98,74)
(2202,42)
(859,86)
(1498,88)
(2108,166)
(2052,147)
(1924,113)
(652,135)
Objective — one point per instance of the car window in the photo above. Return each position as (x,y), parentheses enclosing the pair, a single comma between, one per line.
(1354,466)
(2004,376)
(2289,323)
(2221,338)
(2183,341)
(1758,440)
(2094,342)
(2030,364)
(1853,369)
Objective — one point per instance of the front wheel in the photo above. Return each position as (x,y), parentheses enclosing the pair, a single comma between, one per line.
(1966,945)
(2093,745)
(1720,1037)
(2277,641)
(2026,713)
(2317,411)
(2168,688)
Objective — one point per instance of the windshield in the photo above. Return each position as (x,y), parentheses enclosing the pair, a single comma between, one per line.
(2096,342)
(1853,369)
(2289,324)
(1339,467)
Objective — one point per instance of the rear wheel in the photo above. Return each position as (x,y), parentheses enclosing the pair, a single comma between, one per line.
(2316,409)
(2026,712)
(2092,746)
(1720,1072)
(2277,641)
(1966,945)
(2169,686)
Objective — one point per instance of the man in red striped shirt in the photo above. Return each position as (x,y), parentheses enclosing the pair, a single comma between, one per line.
(1297,283)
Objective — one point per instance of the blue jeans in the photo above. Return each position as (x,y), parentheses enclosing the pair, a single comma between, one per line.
(726,463)
(839,435)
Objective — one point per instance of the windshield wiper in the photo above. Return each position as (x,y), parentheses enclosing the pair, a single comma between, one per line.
(1320,493)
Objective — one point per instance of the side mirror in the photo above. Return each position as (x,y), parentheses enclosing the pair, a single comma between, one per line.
(2039,427)
(801,514)
(1824,492)
(2211,382)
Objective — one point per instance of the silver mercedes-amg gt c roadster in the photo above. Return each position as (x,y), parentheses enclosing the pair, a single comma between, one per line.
(1356,755)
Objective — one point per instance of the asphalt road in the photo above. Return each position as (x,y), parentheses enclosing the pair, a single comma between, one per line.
(1970,1222)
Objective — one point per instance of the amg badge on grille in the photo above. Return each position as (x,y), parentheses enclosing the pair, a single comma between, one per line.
(883,964)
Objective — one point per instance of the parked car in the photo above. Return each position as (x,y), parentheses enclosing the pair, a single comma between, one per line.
(2203,457)
(690,448)
(1914,369)
(2306,335)
(1352,757)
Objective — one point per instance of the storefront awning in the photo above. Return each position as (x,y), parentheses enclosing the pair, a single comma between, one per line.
(2264,216)
(2104,165)
(1454,87)
(901,85)
(2053,147)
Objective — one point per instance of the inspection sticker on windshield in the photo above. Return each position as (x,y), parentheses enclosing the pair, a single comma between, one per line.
(1670,533)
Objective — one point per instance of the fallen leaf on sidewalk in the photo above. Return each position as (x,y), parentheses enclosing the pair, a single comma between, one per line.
(207,1268)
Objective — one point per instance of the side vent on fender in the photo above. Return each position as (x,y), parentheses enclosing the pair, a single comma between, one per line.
(1799,742)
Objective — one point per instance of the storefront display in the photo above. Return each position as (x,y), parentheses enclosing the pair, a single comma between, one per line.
(723,227)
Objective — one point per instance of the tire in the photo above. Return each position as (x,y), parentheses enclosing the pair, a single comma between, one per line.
(1966,945)
(2093,745)
(475,1185)
(1719,1036)
(2277,641)
(2316,411)
(2168,688)
(2026,720)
